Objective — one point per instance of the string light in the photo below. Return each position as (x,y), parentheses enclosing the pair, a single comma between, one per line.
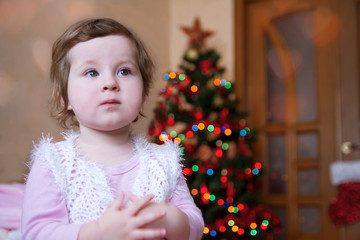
(182,77)
(240,206)
(195,168)
(201,126)
(231,223)
(253,232)
(241,231)
(194,88)
(253,225)
(213,233)
(206,195)
(243,132)
(225,146)
(172,75)
(234,228)
(173,134)
(210,128)
(231,209)
(228,132)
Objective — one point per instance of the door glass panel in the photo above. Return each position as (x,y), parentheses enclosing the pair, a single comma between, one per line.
(277,164)
(298,32)
(307,145)
(309,220)
(275,86)
(308,182)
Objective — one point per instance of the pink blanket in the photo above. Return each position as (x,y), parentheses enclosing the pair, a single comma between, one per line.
(11,199)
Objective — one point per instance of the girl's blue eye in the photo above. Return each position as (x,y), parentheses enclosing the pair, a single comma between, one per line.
(124,72)
(92,73)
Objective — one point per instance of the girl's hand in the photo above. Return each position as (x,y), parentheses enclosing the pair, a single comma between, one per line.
(176,223)
(123,223)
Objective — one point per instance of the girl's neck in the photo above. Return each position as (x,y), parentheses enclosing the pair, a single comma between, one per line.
(104,138)
(108,148)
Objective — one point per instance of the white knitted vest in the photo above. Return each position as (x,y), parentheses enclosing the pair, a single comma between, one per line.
(85,185)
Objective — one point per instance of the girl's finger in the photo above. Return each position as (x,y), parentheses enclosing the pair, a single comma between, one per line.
(118,202)
(139,204)
(143,220)
(159,233)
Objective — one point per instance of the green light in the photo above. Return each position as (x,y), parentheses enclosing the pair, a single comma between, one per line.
(173,134)
(265,222)
(236,210)
(210,128)
(212,197)
(225,146)
(253,232)
(195,168)
(181,136)
(231,223)
(227,85)
(182,77)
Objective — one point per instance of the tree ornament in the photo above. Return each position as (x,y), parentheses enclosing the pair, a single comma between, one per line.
(196,35)
(205,66)
(192,54)
(218,101)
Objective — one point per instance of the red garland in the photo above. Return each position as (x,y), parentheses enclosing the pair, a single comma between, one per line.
(346,208)
(205,66)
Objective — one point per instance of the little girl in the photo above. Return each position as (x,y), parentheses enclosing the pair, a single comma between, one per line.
(103,182)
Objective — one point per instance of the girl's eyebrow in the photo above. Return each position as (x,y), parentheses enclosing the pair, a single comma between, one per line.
(119,62)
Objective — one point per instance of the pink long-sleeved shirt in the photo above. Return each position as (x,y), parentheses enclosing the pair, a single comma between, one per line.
(45,215)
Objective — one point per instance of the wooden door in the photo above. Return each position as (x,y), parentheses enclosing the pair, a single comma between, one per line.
(290,65)
(349,100)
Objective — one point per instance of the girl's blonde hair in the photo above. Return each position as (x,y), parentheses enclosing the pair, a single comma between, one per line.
(60,66)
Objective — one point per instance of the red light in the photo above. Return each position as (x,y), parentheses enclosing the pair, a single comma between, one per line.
(170,121)
(220,202)
(186,171)
(222,229)
(223,179)
(203,189)
(258,165)
(241,231)
(217,130)
(219,153)
(189,134)
(240,206)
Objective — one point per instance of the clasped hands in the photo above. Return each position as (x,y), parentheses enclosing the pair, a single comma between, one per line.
(142,219)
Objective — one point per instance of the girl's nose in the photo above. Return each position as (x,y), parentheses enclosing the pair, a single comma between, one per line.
(110,84)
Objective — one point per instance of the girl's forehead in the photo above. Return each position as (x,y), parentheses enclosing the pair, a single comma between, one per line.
(112,45)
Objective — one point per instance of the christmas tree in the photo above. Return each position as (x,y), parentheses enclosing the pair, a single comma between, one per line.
(198,109)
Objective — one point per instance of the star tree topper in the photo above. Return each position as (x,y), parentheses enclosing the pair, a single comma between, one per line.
(196,34)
